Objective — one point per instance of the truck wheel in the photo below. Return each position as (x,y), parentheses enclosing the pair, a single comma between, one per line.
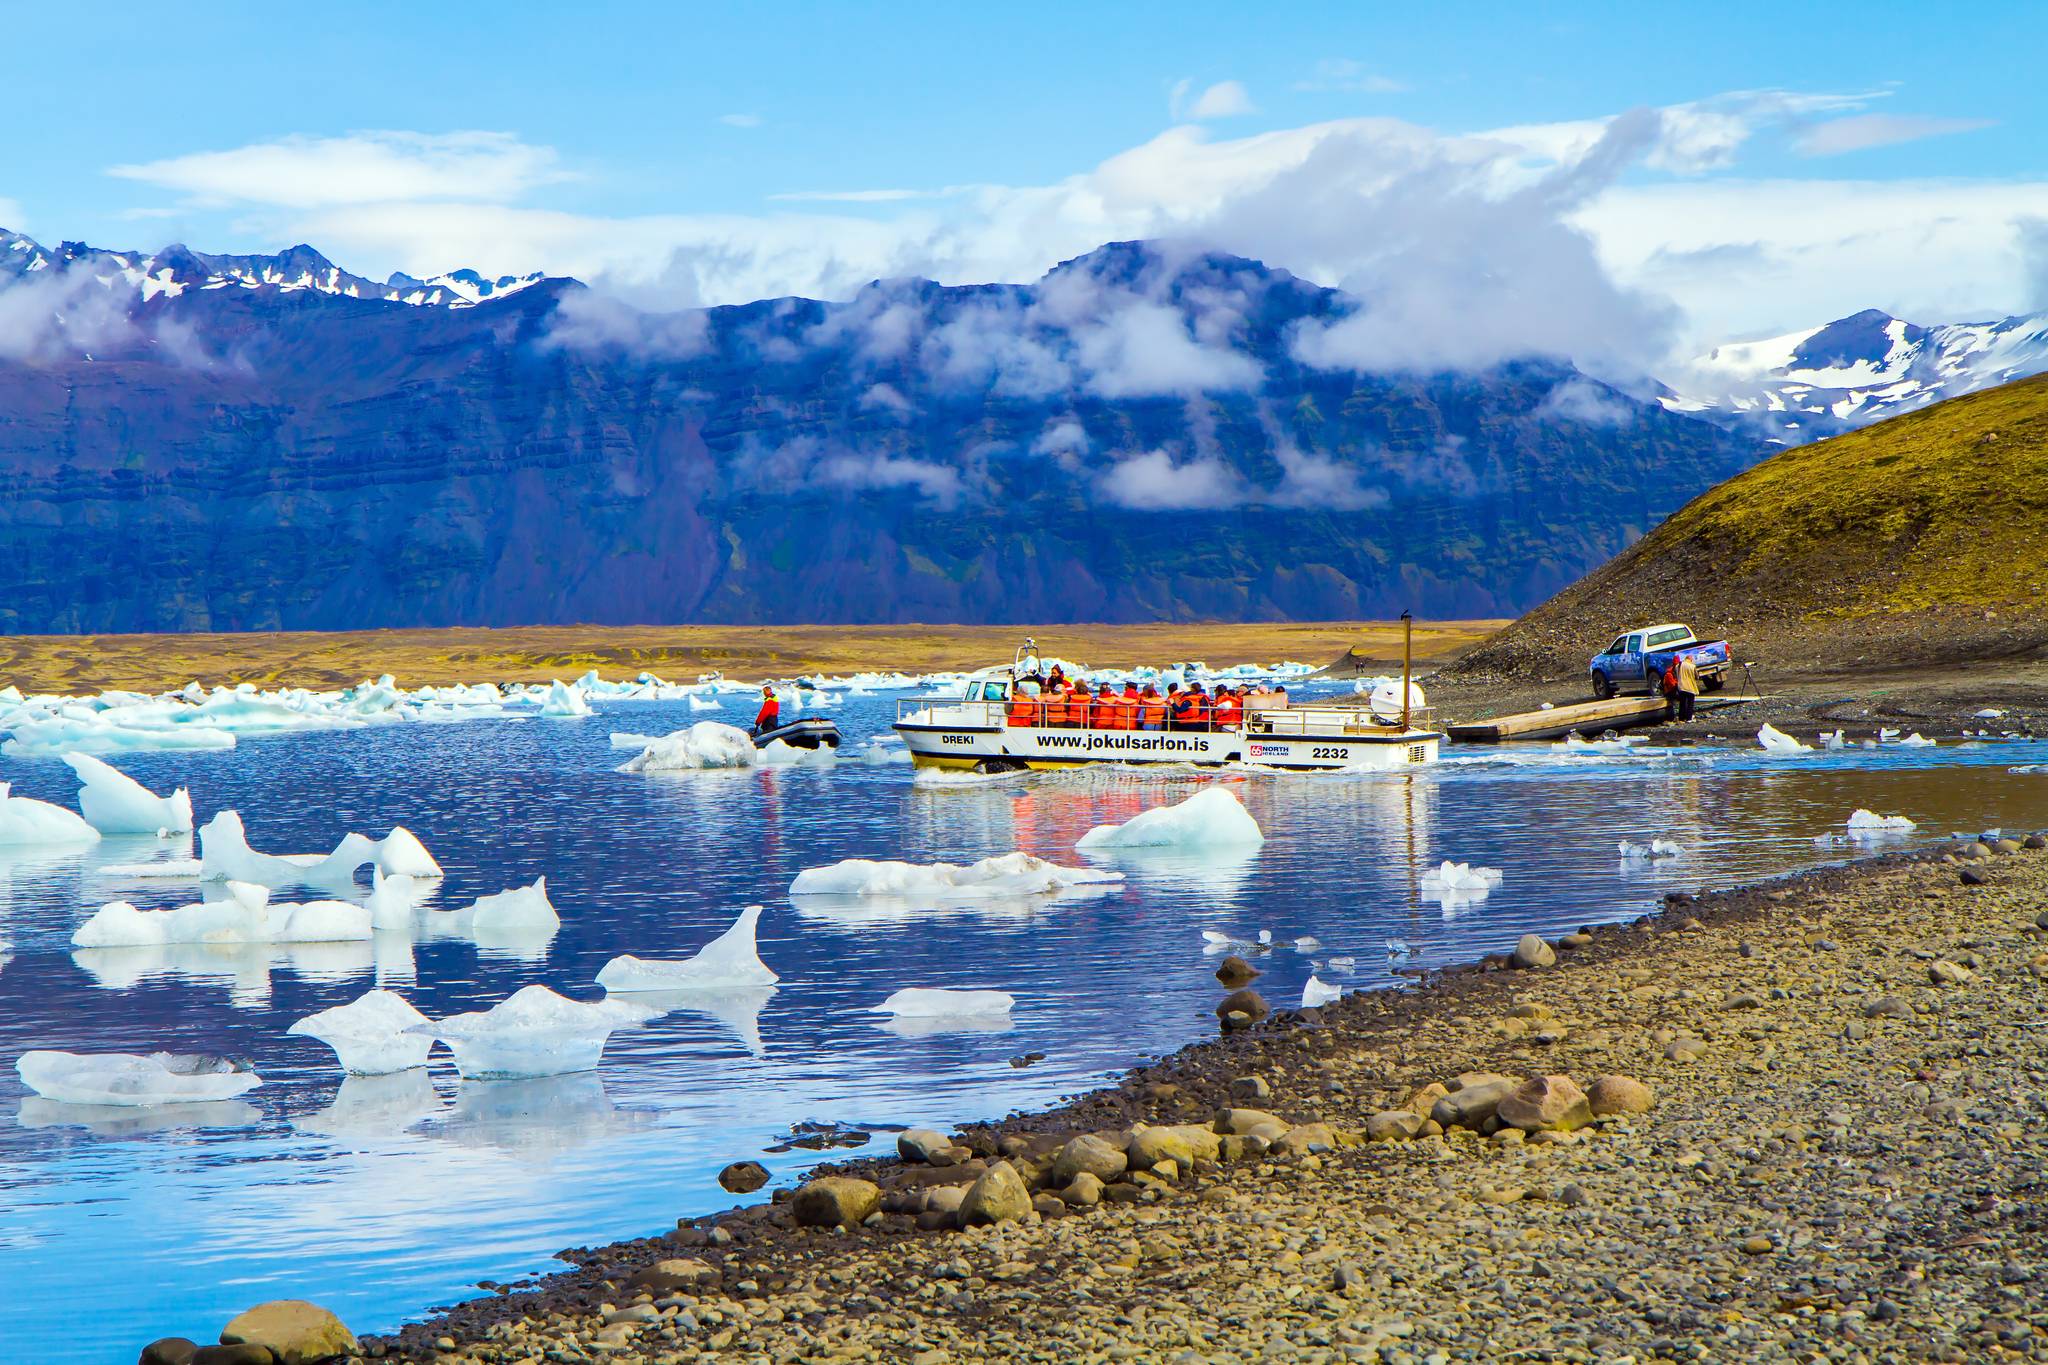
(1603,688)
(1713,684)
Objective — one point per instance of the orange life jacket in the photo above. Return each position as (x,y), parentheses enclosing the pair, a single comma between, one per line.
(1198,709)
(1023,709)
(1229,711)
(1105,711)
(1152,709)
(1079,704)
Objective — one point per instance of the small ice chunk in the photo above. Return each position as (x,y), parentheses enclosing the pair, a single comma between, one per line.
(29,823)
(400,853)
(1010,874)
(565,700)
(917,1002)
(707,744)
(1834,739)
(1656,848)
(1870,822)
(1916,741)
(245,917)
(533,1033)
(727,962)
(392,900)
(1307,943)
(1461,877)
(225,854)
(1776,741)
(166,869)
(1319,992)
(703,703)
(1989,713)
(115,803)
(1213,818)
(522,909)
(371,1035)
(127,1079)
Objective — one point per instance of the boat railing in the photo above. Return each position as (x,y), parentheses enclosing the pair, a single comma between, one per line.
(1312,719)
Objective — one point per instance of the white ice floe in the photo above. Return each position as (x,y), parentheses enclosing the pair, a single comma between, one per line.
(1462,877)
(59,735)
(1989,713)
(372,1035)
(1776,741)
(246,916)
(1656,848)
(1212,818)
(565,700)
(163,869)
(707,744)
(1916,741)
(777,754)
(1307,943)
(28,823)
(115,803)
(522,909)
(225,855)
(918,1002)
(699,702)
(1010,874)
(1865,822)
(730,961)
(1834,739)
(123,1078)
(1319,992)
(1217,941)
(534,1033)
(392,900)
(883,750)
(1612,744)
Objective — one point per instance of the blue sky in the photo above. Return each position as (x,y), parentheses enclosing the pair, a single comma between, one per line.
(657,145)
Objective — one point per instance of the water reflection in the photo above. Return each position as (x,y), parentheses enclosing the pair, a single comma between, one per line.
(536,1120)
(126,1120)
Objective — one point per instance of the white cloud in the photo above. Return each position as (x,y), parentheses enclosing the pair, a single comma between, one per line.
(51,315)
(2033,248)
(360,168)
(1341,73)
(740,120)
(853,196)
(1153,482)
(940,483)
(1225,99)
(1860,132)
(1587,403)
(1320,482)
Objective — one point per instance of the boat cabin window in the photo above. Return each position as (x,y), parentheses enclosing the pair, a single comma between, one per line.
(988,691)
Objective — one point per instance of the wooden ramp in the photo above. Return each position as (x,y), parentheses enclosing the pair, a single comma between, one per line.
(1577,718)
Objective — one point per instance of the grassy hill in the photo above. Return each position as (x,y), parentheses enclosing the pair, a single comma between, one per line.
(1920,540)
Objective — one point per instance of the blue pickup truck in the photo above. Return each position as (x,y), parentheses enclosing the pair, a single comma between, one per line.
(1636,660)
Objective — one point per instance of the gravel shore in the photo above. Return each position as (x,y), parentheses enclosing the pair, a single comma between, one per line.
(1845,1158)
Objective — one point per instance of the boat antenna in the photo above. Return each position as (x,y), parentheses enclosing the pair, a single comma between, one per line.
(1407,660)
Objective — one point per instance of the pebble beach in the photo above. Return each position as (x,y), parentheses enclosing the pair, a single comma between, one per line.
(1802,1121)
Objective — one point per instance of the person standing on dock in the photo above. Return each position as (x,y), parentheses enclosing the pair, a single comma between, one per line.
(1688,685)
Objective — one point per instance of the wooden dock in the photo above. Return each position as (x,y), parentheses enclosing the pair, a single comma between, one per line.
(1577,718)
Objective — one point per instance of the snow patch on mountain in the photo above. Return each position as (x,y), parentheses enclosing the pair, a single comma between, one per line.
(1805,385)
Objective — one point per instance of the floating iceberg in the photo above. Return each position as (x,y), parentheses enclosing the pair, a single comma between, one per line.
(1216,941)
(1776,741)
(1461,877)
(1010,874)
(245,917)
(1213,818)
(58,735)
(1319,992)
(707,744)
(38,824)
(703,703)
(1656,848)
(564,700)
(1916,741)
(372,1035)
(1870,822)
(115,803)
(727,962)
(1611,744)
(400,853)
(392,900)
(534,1033)
(225,855)
(1834,739)
(927,1003)
(523,909)
(122,1078)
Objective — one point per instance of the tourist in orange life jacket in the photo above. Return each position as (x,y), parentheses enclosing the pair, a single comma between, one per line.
(1107,706)
(1177,703)
(1198,708)
(1079,703)
(1229,708)
(1151,709)
(1127,708)
(770,714)
(1054,704)
(1023,708)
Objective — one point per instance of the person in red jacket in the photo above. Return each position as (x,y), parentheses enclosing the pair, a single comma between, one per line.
(770,714)
(1198,708)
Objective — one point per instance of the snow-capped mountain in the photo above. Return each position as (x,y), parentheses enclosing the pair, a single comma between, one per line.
(1806,385)
(175,269)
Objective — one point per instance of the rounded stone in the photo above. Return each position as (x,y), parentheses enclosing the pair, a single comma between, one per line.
(294,1331)
(743,1177)
(835,1201)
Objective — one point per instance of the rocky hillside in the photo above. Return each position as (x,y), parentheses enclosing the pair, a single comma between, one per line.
(1919,540)
(231,443)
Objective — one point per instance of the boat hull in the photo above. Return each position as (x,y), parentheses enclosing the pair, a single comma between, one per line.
(1038,749)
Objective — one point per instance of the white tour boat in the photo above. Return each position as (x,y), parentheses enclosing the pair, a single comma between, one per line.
(996,727)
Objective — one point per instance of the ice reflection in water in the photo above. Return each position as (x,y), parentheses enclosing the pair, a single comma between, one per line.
(383,1195)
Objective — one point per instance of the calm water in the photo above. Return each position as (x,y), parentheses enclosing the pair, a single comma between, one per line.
(382,1197)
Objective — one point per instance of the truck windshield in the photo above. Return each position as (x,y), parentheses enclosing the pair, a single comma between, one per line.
(1620,644)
